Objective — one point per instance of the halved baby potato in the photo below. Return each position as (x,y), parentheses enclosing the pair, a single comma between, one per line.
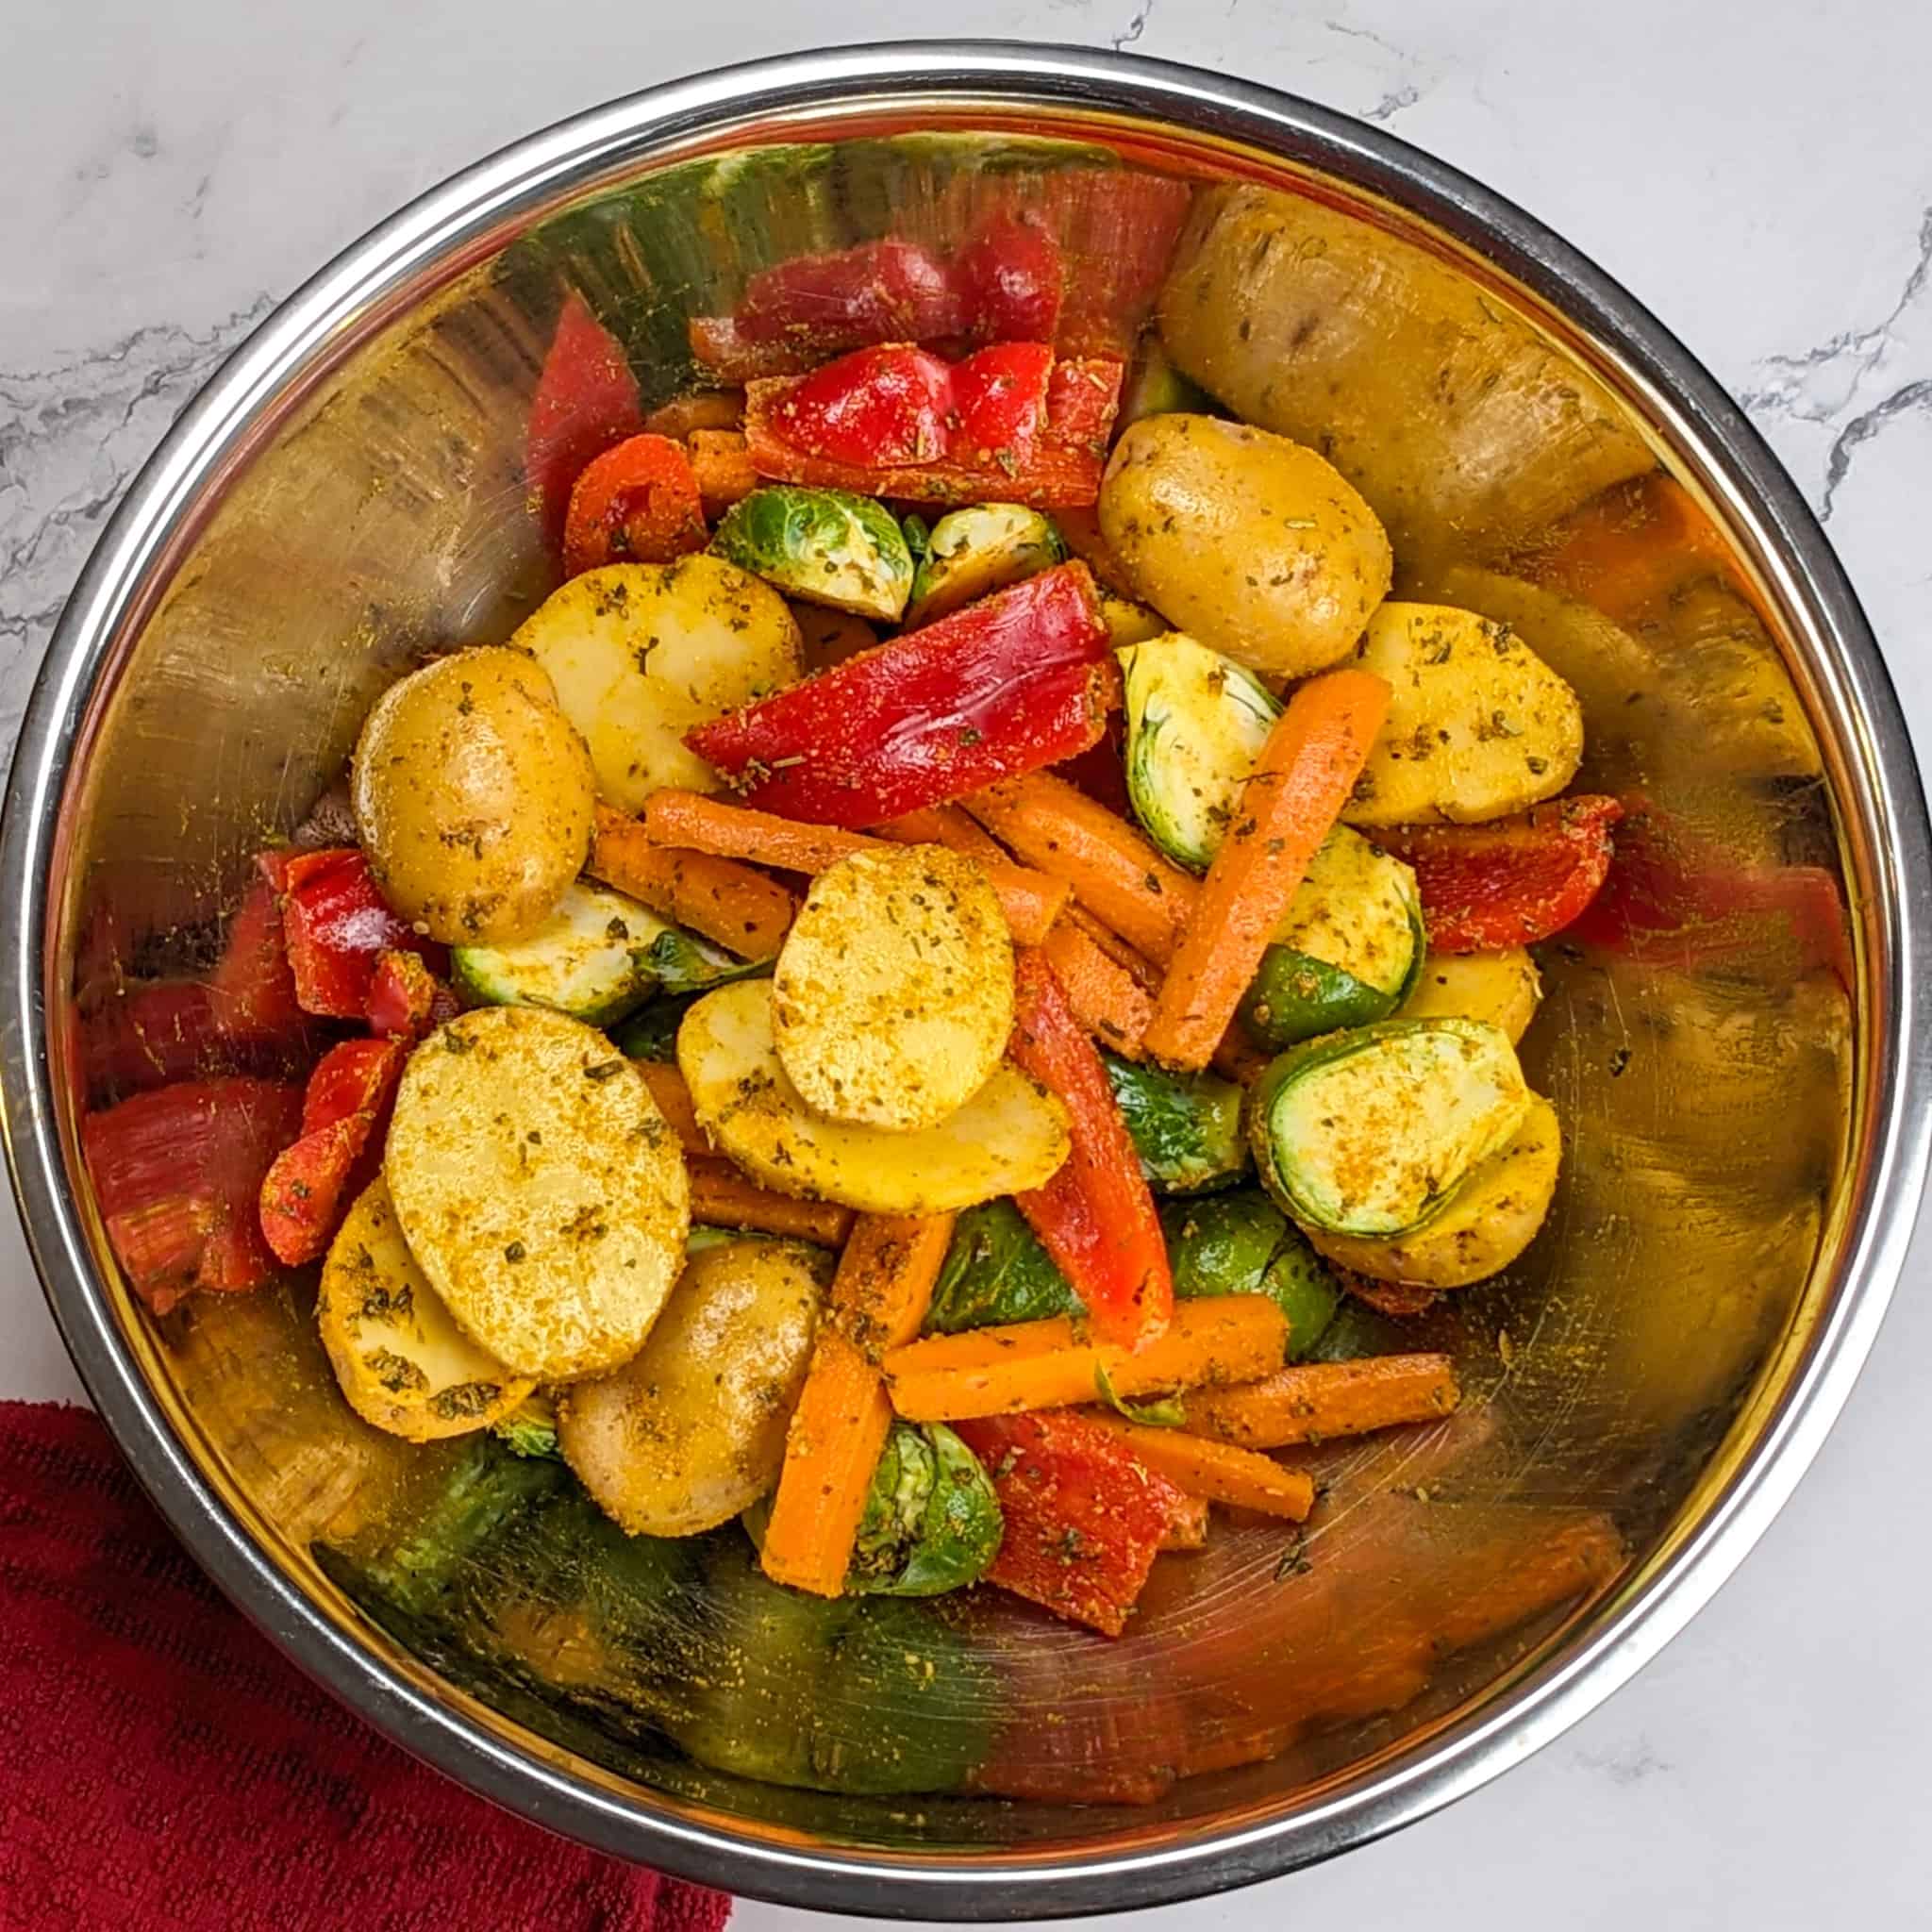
(1479,726)
(641,653)
(1011,1134)
(691,1429)
(403,1363)
(893,997)
(540,1188)
(1491,1218)
(1502,988)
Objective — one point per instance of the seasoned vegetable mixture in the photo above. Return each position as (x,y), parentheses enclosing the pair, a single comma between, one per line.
(897,1007)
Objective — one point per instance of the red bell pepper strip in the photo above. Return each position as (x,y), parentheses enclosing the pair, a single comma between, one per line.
(888,408)
(638,501)
(401,995)
(586,400)
(1017,680)
(1062,467)
(1674,899)
(880,291)
(253,985)
(1101,769)
(335,922)
(345,1119)
(1084,1516)
(1095,1217)
(177,1172)
(1011,277)
(1513,881)
(999,400)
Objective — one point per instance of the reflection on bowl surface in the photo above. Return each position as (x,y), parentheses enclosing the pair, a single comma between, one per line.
(1696,1032)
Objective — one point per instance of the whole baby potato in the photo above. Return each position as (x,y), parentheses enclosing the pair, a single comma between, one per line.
(472,796)
(1249,542)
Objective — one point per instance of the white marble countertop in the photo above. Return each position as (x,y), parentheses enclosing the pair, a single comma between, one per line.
(1758,175)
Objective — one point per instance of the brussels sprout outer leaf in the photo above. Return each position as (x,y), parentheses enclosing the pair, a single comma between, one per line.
(1186,1129)
(960,1535)
(996,1272)
(1294,997)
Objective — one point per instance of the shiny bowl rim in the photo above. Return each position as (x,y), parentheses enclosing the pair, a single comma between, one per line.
(1861,718)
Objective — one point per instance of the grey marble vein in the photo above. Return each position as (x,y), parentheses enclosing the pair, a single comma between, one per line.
(72,433)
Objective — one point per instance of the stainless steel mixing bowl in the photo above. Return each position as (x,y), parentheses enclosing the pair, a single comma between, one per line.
(1746,1135)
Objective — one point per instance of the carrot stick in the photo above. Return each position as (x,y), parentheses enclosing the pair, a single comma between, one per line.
(673,1101)
(1106,999)
(947,826)
(722,1197)
(1026,1365)
(737,908)
(1318,1400)
(1220,1471)
(1114,872)
(689,820)
(878,1300)
(704,409)
(723,466)
(1301,781)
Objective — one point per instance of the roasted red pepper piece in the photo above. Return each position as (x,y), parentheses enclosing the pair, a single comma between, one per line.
(252,985)
(1084,1517)
(880,291)
(1095,1217)
(1513,881)
(887,409)
(1675,899)
(345,1119)
(586,400)
(638,501)
(1014,681)
(176,1173)
(999,397)
(1011,277)
(335,922)
(401,994)
(1101,771)
(1062,468)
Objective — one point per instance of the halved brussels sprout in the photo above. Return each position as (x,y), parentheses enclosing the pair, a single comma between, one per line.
(1348,950)
(1186,1129)
(971,553)
(826,546)
(597,957)
(1197,721)
(1371,1132)
(932,1522)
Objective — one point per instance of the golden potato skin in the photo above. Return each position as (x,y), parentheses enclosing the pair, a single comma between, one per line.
(473,796)
(1460,423)
(691,1429)
(1248,541)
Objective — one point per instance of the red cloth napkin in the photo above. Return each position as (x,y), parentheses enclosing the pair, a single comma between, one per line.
(162,1766)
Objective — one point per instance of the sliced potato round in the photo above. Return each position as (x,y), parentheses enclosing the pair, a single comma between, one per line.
(691,1429)
(1502,988)
(1479,726)
(403,1363)
(1010,1136)
(473,796)
(893,993)
(540,1188)
(1484,1227)
(641,653)
(1252,543)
